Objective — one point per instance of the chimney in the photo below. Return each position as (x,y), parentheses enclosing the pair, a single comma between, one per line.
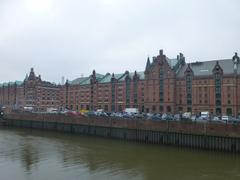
(161,52)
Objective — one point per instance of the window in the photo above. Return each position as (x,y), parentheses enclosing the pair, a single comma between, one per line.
(128,82)
(161,85)
(229,111)
(160,108)
(169,109)
(106,108)
(113,94)
(218,102)
(120,108)
(153,108)
(218,90)
(180,109)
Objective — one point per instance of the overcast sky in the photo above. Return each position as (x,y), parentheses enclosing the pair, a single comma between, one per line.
(72,37)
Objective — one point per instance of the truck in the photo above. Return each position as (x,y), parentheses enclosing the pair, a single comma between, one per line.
(205,115)
(28,108)
(52,110)
(131,110)
(187,115)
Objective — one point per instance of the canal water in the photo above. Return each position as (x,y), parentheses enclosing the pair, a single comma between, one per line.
(40,155)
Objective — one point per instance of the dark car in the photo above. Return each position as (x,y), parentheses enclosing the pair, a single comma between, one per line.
(234,120)
(1,113)
(156,117)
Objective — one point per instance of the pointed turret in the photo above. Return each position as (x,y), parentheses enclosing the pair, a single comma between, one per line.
(113,77)
(235,60)
(94,73)
(32,75)
(181,59)
(188,70)
(26,77)
(135,76)
(148,64)
(217,68)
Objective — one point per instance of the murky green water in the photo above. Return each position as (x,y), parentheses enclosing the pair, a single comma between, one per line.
(30,154)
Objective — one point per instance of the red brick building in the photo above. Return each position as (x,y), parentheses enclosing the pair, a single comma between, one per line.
(171,85)
(32,92)
(167,85)
(111,92)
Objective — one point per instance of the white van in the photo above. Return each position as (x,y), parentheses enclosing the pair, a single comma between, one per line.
(225,118)
(131,110)
(205,115)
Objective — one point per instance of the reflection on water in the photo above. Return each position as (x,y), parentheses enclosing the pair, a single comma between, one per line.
(31,154)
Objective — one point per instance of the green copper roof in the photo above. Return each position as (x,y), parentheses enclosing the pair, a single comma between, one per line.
(77,81)
(85,81)
(18,83)
(99,76)
(105,78)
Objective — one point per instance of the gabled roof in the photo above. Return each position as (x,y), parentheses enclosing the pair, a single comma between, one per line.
(85,81)
(48,84)
(99,76)
(172,62)
(205,68)
(105,78)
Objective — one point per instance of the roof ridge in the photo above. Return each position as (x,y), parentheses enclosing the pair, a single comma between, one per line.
(209,61)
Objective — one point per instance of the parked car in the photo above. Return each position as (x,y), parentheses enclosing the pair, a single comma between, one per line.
(91,114)
(156,117)
(164,116)
(149,115)
(225,118)
(167,117)
(234,120)
(103,114)
(127,115)
(186,115)
(138,115)
(177,117)
(216,118)
(205,115)
(70,113)
(193,118)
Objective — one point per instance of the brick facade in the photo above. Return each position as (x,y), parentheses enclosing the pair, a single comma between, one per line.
(166,85)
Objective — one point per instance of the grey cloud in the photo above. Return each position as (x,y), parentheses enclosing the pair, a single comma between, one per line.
(74,37)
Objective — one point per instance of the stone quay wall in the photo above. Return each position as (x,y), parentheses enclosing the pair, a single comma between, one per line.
(211,136)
